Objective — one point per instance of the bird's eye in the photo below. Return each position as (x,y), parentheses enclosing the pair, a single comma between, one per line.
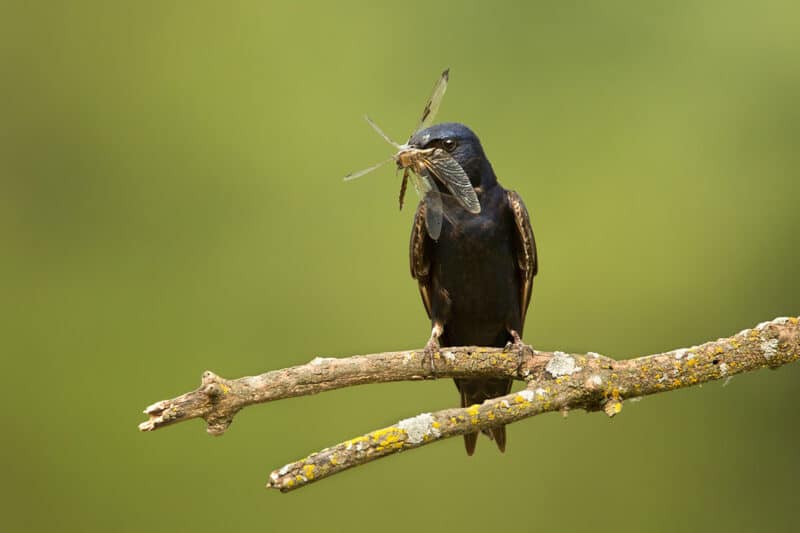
(449,145)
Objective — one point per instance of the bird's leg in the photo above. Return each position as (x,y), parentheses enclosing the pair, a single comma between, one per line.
(517,339)
(518,346)
(432,346)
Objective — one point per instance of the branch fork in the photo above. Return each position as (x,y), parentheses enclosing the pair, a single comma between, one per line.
(555,381)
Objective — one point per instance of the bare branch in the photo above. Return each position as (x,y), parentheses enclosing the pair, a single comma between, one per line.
(555,381)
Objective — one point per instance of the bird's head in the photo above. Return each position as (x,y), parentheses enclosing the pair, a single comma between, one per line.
(463,145)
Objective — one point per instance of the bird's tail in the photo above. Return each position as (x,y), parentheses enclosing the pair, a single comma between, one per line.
(476,391)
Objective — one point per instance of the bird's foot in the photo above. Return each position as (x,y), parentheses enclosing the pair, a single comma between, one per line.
(431,348)
(519,347)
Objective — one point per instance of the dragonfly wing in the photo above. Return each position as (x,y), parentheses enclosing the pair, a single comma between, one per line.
(430,196)
(433,103)
(380,132)
(422,184)
(433,214)
(360,173)
(447,169)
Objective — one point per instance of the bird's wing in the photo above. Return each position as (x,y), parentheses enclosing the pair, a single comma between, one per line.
(524,249)
(419,256)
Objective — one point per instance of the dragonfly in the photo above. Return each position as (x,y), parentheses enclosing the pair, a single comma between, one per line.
(424,167)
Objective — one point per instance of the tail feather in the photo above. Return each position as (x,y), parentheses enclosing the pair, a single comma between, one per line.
(476,391)
(499,437)
(470,440)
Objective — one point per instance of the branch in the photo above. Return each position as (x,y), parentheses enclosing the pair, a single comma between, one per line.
(556,381)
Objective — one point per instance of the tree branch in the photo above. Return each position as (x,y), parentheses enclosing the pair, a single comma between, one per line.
(556,381)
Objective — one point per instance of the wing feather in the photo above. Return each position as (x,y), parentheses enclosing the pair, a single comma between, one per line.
(419,257)
(525,250)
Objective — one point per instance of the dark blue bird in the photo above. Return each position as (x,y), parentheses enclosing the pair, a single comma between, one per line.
(476,279)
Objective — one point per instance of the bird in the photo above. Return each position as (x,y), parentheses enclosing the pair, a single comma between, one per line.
(476,279)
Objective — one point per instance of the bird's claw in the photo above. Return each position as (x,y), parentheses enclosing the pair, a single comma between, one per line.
(519,347)
(429,354)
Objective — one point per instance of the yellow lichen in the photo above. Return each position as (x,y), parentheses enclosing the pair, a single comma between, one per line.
(387,436)
(308,470)
(473,413)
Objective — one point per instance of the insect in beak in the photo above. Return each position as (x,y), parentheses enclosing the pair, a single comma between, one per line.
(424,167)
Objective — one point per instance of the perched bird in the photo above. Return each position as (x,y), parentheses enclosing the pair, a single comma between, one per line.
(476,278)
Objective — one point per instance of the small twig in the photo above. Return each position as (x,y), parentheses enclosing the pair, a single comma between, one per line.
(556,381)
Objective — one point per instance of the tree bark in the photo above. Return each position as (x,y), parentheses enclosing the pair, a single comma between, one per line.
(555,381)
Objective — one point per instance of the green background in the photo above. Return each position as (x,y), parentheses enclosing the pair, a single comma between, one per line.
(171,201)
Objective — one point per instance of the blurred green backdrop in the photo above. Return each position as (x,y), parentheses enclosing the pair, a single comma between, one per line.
(171,201)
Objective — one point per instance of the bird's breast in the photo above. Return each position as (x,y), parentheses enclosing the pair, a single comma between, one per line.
(474,273)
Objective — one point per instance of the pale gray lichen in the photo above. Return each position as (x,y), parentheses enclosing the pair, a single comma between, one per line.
(285,469)
(526,395)
(769,347)
(321,360)
(593,354)
(504,403)
(723,369)
(781,320)
(540,392)
(561,364)
(450,356)
(419,427)
(680,353)
(596,380)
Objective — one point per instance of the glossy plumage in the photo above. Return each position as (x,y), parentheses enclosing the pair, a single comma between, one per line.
(476,279)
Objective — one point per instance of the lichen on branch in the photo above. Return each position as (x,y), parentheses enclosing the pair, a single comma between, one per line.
(555,381)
